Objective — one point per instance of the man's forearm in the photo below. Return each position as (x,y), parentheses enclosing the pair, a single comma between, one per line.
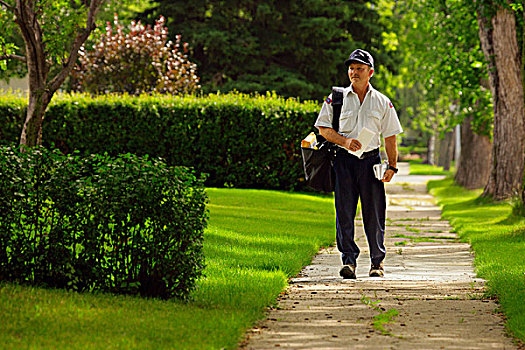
(334,137)
(391,150)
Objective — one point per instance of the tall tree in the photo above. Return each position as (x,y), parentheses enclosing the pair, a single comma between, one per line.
(296,48)
(497,32)
(522,207)
(52,32)
(446,65)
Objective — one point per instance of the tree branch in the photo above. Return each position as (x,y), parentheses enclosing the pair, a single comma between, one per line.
(13,57)
(7,6)
(25,18)
(81,37)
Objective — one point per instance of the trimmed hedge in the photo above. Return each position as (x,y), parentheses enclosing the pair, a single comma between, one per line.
(12,114)
(125,224)
(239,140)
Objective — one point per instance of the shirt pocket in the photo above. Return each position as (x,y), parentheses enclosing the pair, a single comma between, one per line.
(374,121)
(376,115)
(347,121)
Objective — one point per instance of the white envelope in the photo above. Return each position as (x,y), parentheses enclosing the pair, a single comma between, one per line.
(364,137)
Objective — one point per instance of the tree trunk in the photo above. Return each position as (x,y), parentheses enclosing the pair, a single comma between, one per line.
(431,149)
(473,168)
(523,86)
(32,131)
(446,150)
(457,144)
(37,69)
(451,145)
(499,44)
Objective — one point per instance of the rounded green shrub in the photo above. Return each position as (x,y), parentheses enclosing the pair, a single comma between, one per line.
(122,224)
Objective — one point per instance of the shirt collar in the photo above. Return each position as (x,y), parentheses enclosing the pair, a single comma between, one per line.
(350,89)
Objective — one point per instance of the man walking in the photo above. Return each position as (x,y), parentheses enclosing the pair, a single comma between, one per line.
(363,107)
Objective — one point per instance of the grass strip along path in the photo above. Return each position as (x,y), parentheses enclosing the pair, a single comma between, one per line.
(255,241)
(429,298)
(498,240)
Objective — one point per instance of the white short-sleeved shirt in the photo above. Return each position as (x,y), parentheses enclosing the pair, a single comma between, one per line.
(376,113)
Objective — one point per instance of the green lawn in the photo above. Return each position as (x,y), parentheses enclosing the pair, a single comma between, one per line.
(255,241)
(403,150)
(498,240)
(417,168)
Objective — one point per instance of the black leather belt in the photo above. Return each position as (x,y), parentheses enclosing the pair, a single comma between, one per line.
(372,153)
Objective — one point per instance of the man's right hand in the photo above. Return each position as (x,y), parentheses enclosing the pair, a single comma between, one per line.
(352,145)
(333,136)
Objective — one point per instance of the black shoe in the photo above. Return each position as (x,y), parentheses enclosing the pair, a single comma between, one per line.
(347,272)
(376,271)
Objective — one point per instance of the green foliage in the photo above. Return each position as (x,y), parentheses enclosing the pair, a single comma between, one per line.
(5,49)
(121,224)
(62,32)
(498,240)
(239,140)
(10,44)
(135,59)
(444,70)
(127,10)
(296,48)
(12,114)
(59,21)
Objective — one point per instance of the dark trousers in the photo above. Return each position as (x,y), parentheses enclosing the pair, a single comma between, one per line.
(355,179)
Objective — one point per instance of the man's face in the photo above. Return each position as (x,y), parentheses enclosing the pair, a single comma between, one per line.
(359,73)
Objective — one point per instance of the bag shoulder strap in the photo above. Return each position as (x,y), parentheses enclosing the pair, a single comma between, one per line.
(337,104)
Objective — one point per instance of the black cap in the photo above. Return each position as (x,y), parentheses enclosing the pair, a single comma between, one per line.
(360,56)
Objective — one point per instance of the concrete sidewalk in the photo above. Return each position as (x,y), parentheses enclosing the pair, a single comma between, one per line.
(428,299)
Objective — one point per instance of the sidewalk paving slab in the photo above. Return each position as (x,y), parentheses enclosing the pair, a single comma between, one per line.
(429,282)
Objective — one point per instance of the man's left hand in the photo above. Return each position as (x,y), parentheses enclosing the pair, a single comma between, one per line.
(389,174)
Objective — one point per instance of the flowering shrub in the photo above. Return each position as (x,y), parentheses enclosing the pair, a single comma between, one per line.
(135,59)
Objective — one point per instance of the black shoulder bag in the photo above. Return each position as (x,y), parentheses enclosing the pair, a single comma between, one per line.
(318,163)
